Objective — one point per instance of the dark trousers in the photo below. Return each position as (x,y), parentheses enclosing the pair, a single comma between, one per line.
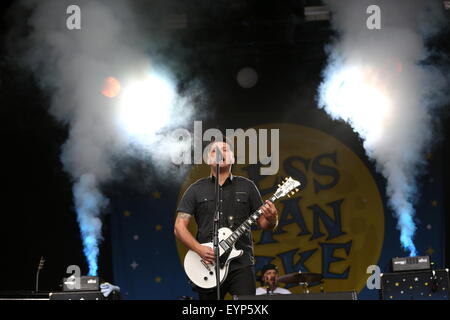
(238,282)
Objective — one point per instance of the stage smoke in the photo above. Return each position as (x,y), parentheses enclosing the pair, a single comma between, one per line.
(379,82)
(72,65)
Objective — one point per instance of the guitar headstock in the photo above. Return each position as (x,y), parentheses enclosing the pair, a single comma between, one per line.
(287,188)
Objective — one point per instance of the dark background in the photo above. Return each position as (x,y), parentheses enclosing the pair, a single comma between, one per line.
(37,213)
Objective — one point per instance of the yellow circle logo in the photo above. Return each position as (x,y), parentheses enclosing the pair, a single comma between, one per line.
(334,226)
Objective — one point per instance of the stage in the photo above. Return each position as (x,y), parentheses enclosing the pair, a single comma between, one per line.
(119,115)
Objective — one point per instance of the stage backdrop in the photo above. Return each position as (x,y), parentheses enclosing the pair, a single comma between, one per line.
(337,225)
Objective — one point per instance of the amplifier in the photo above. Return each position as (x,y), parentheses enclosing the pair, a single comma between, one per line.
(77,295)
(85,284)
(410,263)
(416,285)
(349,295)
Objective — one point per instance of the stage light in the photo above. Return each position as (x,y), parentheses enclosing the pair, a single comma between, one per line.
(111,87)
(247,78)
(317,13)
(356,96)
(145,107)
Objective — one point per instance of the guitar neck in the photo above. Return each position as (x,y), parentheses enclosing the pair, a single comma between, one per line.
(243,228)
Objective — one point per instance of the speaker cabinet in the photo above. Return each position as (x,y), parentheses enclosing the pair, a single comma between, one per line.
(77,295)
(415,285)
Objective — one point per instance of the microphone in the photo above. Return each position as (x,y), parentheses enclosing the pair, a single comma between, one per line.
(268,286)
(41,263)
(219,156)
(40,267)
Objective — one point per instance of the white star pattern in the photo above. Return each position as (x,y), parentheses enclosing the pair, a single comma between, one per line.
(135,237)
(134,265)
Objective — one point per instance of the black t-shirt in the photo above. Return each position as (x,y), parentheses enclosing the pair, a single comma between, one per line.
(239,199)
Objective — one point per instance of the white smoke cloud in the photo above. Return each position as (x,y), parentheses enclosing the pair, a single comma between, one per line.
(73,65)
(376,83)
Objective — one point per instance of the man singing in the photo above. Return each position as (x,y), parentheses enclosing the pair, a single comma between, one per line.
(239,199)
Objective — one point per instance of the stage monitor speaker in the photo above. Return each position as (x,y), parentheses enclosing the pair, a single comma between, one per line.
(23,295)
(348,295)
(77,295)
(415,285)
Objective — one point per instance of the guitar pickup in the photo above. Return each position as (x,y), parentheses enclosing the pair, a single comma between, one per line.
(224,245)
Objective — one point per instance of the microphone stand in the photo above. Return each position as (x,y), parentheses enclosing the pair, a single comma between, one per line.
(268,287)
(216,222)
(40,267)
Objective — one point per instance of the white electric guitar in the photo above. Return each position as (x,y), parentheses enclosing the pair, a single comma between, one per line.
(202,273)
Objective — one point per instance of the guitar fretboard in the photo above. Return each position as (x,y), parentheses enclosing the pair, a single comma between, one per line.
(244,227)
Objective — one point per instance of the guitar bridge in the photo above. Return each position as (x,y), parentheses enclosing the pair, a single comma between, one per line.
(206,265)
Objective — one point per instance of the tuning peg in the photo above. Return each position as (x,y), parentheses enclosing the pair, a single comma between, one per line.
(289,195)
(296,190)
(286,179)
(279,186)
(292,193)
